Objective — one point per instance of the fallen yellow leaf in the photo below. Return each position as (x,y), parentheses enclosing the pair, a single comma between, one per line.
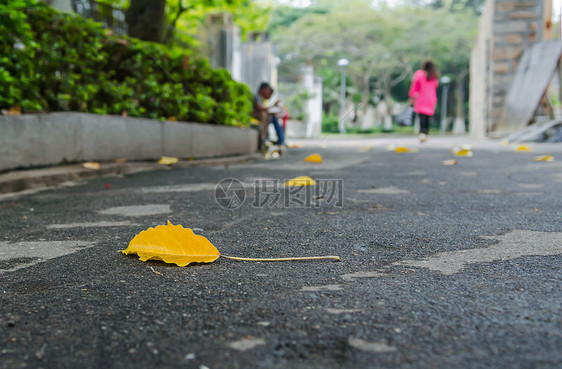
(91,165)
(295,146)
(166,160)
(523,148)
(172,244)
(400,150)
(300,181)
(464,152)
(314,158)
(543,158)
(175,244)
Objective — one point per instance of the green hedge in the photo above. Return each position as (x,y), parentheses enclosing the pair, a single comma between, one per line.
(51,61)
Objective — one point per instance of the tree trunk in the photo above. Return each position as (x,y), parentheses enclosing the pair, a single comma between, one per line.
(560,81)
(388,100)
(459,123)
(147,19)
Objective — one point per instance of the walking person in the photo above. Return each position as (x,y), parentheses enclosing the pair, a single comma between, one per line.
(423,95)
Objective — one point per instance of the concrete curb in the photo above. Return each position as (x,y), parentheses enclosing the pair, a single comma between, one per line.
(55,138)
(21,181)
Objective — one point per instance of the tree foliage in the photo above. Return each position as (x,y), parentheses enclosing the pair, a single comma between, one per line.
(384,44)
(54,61)
(166,21)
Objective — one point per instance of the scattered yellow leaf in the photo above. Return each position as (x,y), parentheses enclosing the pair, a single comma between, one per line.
(401,149)
(122,160)
(295,146)
(449,162)
(300,181)
(463,152)
(172,119)
(543,158)
(523,148)
(166,160)
(175,244)
(314,158)
(172,244)
(91,165)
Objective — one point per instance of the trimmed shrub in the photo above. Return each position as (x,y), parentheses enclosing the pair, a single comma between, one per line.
(52,61)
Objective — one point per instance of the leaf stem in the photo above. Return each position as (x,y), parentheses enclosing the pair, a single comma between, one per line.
(329,257)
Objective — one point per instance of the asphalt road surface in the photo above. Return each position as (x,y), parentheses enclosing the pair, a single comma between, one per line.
(442,266)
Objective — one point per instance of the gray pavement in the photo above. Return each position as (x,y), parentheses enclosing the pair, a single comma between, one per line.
(441,266)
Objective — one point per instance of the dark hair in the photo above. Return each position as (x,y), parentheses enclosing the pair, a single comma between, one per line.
(430,69)
(265,85)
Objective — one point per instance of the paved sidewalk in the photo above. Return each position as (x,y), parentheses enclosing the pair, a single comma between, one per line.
(33,180)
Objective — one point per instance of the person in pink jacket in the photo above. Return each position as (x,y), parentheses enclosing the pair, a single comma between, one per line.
(423,95)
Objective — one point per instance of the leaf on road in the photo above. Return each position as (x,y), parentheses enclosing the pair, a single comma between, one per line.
(172,244)
(167,160)
(449,162)
(464,152)
(91,165)
(523,148)
(300,181)
(543,158)
(175,244)
(400,150)
(314,158)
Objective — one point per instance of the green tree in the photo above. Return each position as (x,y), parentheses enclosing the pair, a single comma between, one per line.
(383,44)
(162,20)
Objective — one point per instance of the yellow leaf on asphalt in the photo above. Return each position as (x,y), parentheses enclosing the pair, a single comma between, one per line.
(172,244)
(400,150)
(463,152)
(295,146)
(175,244)
(543,158)
(523,148)
(314,158)
(300,181)
(166,160)
(91,165)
